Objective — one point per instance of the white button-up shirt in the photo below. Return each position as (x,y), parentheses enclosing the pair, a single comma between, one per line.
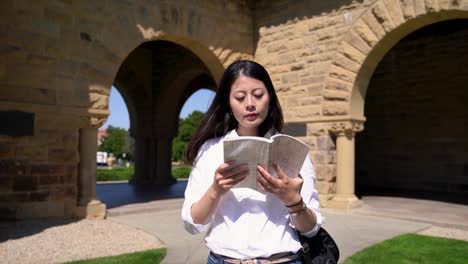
(246,223)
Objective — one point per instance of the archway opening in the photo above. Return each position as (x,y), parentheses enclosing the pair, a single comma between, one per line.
(155,80)
(415,140)
(116,147)
(191,114)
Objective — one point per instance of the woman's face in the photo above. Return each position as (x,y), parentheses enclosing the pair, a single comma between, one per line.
(249,101)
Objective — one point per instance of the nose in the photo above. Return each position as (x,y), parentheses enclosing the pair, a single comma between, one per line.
(250,104)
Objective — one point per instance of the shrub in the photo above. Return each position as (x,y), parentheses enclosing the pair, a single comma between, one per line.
(182,172)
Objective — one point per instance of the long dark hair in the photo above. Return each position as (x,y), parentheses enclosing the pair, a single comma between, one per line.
(218,120)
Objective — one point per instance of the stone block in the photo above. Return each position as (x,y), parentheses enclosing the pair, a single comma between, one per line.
(290,78)
(305,101)
(352,53)
(287,58)
(7,211)
(58,16)
(32,152)
(325,143)
(14,167)
(364,31)
(335,108)
(374,25)
(337,95)
(27,94)
(382,16)
(407,9)
(306,112)
(39,196)
(432,5)
(40,209)
(323,187)
(312,80)
(324,157)
(7,150)
(63,155)
(310,141)
(335,84)
(394,10)
(343,69)
(317,129)
(47,169)
(6,183)
(325,172)
(24,183)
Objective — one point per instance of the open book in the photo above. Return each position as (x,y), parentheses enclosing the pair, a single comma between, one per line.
(286,151)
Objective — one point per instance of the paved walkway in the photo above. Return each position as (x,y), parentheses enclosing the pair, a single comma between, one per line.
(379,219)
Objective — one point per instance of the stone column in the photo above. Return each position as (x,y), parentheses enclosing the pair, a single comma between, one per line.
(345,198)
(164,154)
(88,205)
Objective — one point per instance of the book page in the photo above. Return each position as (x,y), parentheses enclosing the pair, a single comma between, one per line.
(289,153)
(250,151)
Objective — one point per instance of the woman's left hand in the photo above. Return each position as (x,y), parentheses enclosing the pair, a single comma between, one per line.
(287,189)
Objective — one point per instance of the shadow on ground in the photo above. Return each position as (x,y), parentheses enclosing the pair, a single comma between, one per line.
(119,194)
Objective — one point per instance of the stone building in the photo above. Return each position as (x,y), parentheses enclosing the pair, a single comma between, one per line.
(400,64)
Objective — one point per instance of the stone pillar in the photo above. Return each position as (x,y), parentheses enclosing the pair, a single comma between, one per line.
(345,198)
(164,154)
(88,205)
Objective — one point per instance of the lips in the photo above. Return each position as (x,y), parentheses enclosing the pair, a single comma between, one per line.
(251,116)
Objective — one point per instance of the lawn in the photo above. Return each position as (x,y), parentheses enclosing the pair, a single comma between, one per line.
(153,256)
(412,248)
(125,174)
(115,174)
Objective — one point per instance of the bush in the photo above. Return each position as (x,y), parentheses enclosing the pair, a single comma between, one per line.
(182,172)
(115,174)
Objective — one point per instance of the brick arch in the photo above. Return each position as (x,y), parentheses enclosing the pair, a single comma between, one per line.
(371,36)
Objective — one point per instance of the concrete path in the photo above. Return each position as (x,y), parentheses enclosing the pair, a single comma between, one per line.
(157,211)
(352,232)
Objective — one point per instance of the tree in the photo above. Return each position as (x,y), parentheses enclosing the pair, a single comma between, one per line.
(114,142)
(187,128)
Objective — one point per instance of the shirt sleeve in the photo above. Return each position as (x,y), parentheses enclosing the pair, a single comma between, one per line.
(197,185)
(310,195)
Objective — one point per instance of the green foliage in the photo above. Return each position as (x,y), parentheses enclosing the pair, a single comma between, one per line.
(115,174)
(412,248)
(182,172)
(152,256)
(187,128)
(114,142)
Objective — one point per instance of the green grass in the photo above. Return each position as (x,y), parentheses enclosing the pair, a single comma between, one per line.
(115,174)
(181,172)
(153,256)
(412,248)
(125,174)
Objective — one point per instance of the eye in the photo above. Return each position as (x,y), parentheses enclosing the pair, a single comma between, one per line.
(240,98)
(258,96)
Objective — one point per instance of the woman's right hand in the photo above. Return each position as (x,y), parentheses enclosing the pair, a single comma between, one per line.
(227,175)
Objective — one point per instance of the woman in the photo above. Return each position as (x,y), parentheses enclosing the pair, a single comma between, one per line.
(241,223)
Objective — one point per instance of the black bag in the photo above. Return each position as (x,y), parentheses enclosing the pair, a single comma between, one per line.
(319,249)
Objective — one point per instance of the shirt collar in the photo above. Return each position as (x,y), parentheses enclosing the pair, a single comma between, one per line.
(232,134)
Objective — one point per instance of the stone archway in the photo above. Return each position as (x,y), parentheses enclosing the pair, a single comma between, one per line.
(158,75)
(415,140)
(377,30)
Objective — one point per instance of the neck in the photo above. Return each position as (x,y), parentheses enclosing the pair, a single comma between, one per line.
(243,131)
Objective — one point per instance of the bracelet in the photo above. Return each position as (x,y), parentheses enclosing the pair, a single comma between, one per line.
(296,204)
(297,212)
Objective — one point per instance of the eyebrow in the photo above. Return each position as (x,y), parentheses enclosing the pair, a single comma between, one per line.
(253,90)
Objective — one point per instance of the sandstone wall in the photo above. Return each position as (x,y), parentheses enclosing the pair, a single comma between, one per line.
(322,54)
(59,60)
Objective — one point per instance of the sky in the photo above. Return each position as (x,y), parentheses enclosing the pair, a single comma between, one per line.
(200,101)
